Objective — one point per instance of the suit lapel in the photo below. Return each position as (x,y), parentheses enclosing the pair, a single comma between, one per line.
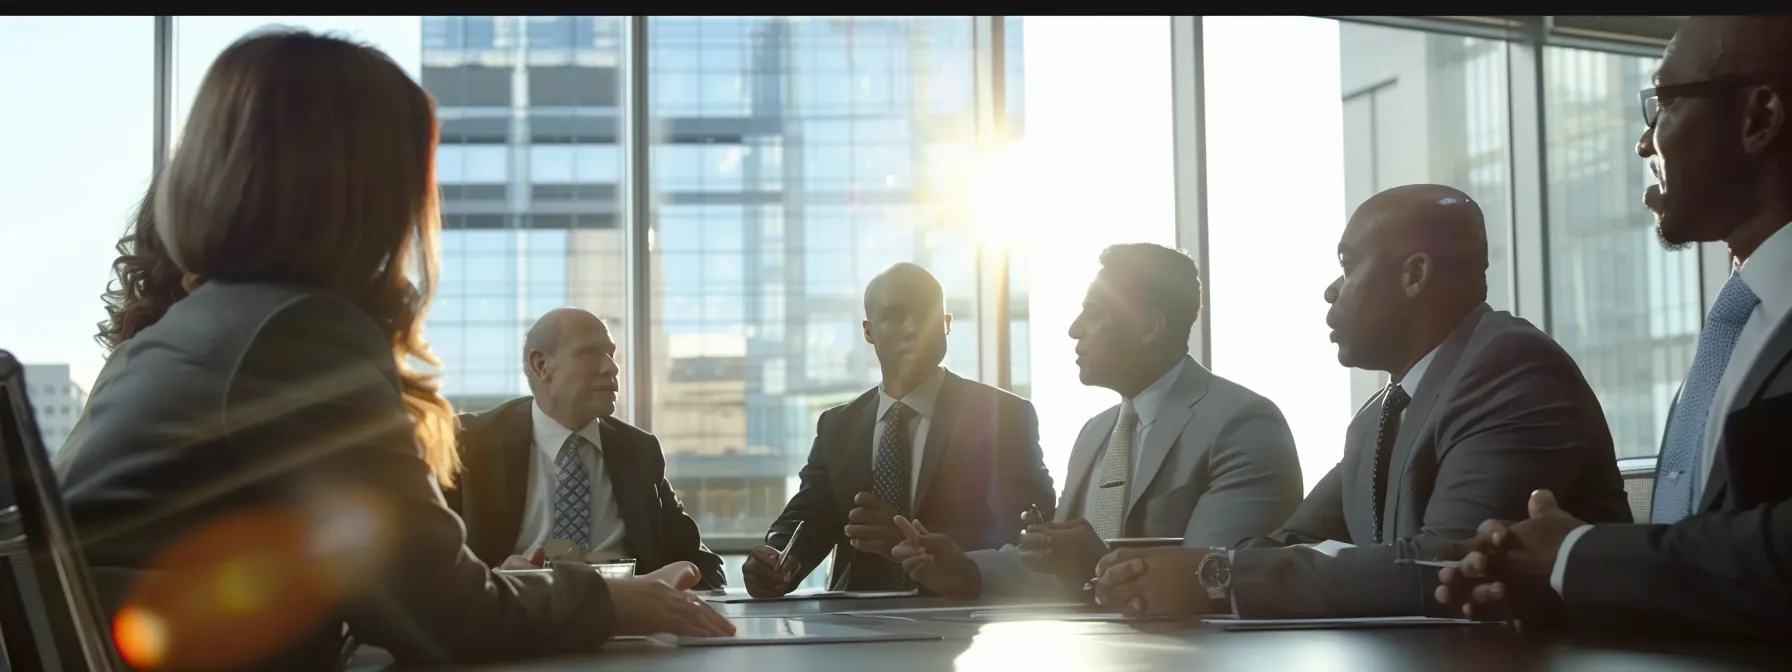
(632,489)
(854,457)
(515,438)
(1177,409)
(1441,371)
(1082,459)
(1359,461)
(1773,355)
(941,429)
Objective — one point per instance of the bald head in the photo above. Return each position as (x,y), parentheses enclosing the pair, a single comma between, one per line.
(1431,218)
(1707,47)
(570,361)
(558,326)
(908,282)
(1415,262)
(906,323)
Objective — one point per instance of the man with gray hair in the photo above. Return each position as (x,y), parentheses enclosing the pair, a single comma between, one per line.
(554,471)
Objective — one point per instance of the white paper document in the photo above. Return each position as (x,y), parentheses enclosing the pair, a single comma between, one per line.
(1329,547)
(1047,615)
(732,597)
(756,631)
(965,611)
(1432,563)
(1334,623)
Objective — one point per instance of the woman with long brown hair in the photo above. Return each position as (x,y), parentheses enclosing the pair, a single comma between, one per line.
(264,466)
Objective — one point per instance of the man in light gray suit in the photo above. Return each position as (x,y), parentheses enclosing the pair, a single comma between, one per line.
(1482,409)
(1186,454)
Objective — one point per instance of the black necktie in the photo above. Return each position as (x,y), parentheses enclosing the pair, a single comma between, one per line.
(890,474)
(1392,403)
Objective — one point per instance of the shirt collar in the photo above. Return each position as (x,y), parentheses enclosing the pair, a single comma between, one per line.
(550,435)
(920,400)
(1150,401)
(1768,273)
(1415,375)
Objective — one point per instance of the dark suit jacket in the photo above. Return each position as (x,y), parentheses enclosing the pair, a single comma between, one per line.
(272,410)
(1725,571)
(495,454)
(980,468)
(1502,410)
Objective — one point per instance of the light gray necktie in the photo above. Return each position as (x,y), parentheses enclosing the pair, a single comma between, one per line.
(1116,468)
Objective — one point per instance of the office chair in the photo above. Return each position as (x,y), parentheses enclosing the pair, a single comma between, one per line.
(50,618)
(1639,485)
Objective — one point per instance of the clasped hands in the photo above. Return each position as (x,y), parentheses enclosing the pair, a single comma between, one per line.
(936,562)
(1506,567)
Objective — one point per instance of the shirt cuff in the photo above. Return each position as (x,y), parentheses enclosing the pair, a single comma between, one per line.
(1231,593)
(1561,568)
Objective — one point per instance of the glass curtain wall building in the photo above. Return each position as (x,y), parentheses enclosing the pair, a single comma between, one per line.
(788,159)
(792,158)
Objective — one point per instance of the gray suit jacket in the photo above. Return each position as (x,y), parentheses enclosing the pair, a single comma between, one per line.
(1725,571)
(273,404)
(1501,411)
(1218,465)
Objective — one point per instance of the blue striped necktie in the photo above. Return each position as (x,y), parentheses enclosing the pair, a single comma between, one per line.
(1684,448)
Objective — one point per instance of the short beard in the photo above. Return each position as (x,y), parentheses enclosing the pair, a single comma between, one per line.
(1670,245)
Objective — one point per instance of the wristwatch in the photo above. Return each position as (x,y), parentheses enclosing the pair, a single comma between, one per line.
(1215,572)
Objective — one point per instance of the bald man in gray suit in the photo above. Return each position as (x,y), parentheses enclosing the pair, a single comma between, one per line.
(1186,455)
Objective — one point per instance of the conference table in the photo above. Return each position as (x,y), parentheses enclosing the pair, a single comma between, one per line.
(1022,646)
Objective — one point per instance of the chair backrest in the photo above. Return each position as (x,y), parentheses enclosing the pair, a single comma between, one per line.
(1639,485)
(50,618)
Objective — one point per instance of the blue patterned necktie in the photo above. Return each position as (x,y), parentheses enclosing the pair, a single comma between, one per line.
(890,473)
(1684,448)
(572,495)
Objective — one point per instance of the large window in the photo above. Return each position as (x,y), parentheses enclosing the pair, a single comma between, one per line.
(1627,309)
(529,186)
(79,92)
(793,158)
(1306,119)
(531,173)
(1073,191)
(790,159)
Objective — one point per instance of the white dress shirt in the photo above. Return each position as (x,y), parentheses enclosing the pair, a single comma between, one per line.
(1147,406)
(538,505)
(1768,273)
(921,400)
(1409,383)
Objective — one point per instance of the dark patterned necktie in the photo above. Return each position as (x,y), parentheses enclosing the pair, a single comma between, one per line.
(890,474)
(1392,403)
(572,495)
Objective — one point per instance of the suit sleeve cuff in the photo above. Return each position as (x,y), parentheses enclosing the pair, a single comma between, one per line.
(1561,568)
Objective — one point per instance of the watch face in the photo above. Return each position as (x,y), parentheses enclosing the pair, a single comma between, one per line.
(1216,571)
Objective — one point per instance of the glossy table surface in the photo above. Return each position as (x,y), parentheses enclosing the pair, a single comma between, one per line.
(1017,646)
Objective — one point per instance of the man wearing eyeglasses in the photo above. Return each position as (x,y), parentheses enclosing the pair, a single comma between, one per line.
(1716,556)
